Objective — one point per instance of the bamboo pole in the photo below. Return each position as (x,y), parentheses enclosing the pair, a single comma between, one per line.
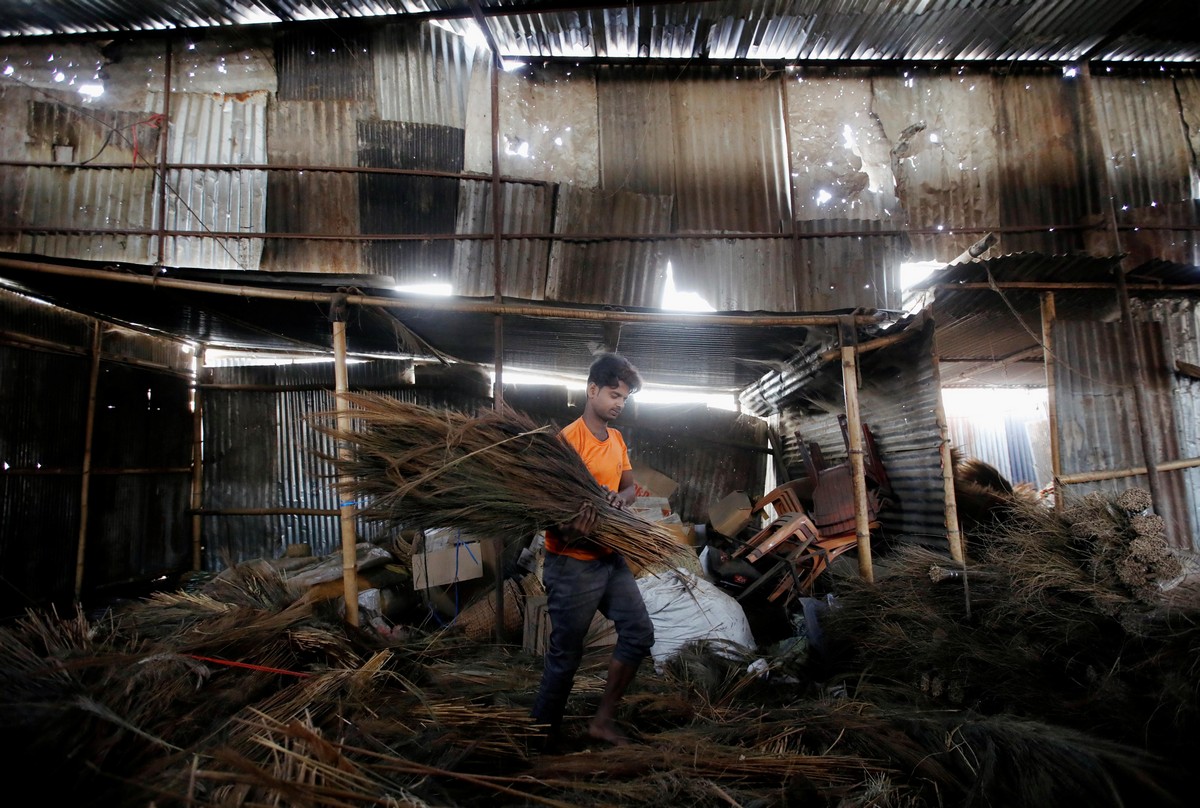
(345,507)
(862,519)
(1050,286)
(46,471)
(498,299)
(164,131)
(1095,476)
(86,484)
(269,511)
(1048,318)
(197,466)
(426,304)
(953,533)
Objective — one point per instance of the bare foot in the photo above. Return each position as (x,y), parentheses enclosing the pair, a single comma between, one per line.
(607,731)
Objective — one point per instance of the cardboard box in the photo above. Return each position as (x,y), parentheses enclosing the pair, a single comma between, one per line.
(654,483)
(684,534)
(462,561)
(652,509)
(730,514)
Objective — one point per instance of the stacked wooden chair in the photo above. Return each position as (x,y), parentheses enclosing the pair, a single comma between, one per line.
(814,520)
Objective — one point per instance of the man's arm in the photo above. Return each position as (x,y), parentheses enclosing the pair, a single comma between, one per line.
(628,489)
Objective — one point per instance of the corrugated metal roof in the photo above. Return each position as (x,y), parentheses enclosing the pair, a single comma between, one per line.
(992,336)
(998,30)
(671,348)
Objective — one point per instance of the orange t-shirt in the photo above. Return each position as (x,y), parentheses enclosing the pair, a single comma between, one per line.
(606,460)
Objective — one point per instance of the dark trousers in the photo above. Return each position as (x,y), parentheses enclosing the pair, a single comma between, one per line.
(575,590)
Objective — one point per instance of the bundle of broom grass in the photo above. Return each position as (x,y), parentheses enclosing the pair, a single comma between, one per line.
(495,474)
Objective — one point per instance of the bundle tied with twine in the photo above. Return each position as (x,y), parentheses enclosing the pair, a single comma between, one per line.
(497,474)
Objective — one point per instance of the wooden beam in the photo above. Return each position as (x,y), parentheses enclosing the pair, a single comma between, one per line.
(862,519)
(345,507)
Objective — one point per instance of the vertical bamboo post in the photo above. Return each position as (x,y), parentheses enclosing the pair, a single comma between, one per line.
(197,465)
(498,296)
(163,152)
(862,520)
(88,432)
(953,534)
(1049,316)
(1136,373)
(345,507)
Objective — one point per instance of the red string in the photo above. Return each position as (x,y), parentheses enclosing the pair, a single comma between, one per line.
(155,121)
(248,665)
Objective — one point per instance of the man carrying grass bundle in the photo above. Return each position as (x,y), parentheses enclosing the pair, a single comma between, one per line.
(581,576)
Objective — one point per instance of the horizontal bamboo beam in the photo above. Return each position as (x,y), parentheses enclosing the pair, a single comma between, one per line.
(32,343)
(1095,476)
(426,303)
(112,472)
(265,511)
(1045,286)
(564,237)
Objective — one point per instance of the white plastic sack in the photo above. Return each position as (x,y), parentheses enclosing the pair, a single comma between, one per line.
(685,608)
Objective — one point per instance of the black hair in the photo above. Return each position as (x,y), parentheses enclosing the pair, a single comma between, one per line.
(609,369)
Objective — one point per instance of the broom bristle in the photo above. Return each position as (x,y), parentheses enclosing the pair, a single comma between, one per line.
(495,474)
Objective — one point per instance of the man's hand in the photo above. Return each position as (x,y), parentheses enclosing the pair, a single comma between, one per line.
(614,498)
(582,525)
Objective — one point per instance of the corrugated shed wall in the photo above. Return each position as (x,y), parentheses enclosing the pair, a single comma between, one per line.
(1047,163)
(325,64)
(393,204)
(737,149)
(141,451)
(138,525)
(1005,443)
(260,452)
(628,273)
(69,198)
(1180,324)
(43,396)
(1097,414)
(547,127)
(941,133)
(898,401)
(225,130)
(738,274)
(707,452)
(423,74)
(527,208)
(841,166)
(1154,164)
(312,202)
(847,271)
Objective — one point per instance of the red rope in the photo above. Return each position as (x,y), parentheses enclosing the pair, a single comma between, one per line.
(248,665)
(155,121)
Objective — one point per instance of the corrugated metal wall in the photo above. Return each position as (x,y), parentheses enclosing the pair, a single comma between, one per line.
(1151,143)
(1005,443)
(898,402)
(1098,422)
(140,462)
(842,173)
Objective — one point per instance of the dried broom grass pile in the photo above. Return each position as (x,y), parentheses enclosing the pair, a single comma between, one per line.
(1061,685)
(497,474)
(1060,619)
(243,696)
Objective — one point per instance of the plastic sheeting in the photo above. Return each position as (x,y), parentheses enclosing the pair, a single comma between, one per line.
(686,608)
